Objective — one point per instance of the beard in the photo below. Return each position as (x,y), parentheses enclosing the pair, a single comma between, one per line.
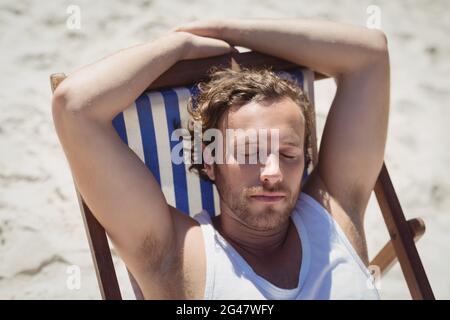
(255,215)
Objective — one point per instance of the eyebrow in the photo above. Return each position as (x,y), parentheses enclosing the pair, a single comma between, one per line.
(290,142)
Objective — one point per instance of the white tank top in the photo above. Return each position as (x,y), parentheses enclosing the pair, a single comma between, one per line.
(330,267)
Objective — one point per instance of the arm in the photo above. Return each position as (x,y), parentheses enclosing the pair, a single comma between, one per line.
(354,137)
(103,89)
(118,188)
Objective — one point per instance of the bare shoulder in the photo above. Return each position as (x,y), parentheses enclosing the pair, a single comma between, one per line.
(350,221)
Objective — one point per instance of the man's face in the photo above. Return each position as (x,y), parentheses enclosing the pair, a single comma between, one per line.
(263,195)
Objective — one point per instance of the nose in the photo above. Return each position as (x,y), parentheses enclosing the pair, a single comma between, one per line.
(270,171)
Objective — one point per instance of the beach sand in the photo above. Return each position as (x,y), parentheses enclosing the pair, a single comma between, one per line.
(41,230)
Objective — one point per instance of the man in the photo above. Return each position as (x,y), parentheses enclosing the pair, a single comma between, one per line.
(272,239)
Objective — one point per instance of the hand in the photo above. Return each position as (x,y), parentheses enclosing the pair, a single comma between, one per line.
(196,47)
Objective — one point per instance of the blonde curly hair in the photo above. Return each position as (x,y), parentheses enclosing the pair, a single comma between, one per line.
(227,87)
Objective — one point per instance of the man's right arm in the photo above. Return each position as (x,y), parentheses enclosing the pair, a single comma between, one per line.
(118,188)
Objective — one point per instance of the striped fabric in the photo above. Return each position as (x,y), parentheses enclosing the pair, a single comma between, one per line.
(146,127)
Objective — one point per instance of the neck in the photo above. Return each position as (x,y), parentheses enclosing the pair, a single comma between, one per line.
(258,243)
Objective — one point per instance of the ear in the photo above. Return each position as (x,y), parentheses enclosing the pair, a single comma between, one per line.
(208,169)
(208,163)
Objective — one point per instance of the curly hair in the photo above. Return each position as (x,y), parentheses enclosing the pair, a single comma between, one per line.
(227,87)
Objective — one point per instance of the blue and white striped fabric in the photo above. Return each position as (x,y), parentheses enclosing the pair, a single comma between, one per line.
(146,127)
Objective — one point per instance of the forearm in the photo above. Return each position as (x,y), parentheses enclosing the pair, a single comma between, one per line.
(105,88)
(327,47)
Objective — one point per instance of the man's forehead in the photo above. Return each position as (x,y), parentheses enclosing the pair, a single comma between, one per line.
(285,137)
(283,116)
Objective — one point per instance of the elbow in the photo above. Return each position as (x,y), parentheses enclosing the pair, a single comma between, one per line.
(379,43)
(60,111)
(59,104)
(67,103)
(59,100)
(64,100)
(71,102)
(68,111)
(377,52)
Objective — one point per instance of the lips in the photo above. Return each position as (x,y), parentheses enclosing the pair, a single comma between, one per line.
(268,197)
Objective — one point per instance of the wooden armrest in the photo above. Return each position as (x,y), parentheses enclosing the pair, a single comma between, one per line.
(386,258)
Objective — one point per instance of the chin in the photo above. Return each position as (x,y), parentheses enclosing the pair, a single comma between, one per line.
(267,218)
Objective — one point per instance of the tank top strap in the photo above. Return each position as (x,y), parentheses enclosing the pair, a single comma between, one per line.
(208,232)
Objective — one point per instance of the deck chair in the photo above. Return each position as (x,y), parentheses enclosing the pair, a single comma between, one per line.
(146,127)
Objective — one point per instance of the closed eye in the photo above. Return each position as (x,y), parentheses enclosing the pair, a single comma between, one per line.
(288,156)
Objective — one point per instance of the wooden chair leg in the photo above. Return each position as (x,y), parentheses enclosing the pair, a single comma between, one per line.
(101,254)
(386,258)
(401,238)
